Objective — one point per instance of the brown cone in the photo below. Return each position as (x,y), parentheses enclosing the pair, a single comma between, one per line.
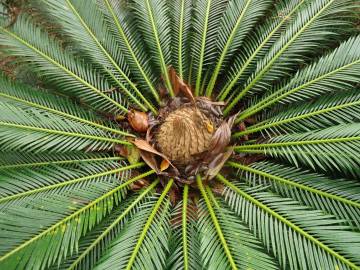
(184,134)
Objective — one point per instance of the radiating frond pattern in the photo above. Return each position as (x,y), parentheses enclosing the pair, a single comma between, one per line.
(75,192)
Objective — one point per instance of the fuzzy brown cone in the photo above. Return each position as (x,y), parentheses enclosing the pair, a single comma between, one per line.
(184,135)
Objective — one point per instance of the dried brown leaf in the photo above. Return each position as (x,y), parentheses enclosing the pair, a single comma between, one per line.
(179,85)
(148,154)
(218,162)
(150,160)
(220,140)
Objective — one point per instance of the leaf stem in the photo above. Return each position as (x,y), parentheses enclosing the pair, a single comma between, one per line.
(60,162)
(125,76)
(276,56)
(225,91)
(263,125)
(64,133)
(73,117)
(184,227)
(275,97)
(202,49)
(282,144)
(161,55)
(127,44)
(225,50)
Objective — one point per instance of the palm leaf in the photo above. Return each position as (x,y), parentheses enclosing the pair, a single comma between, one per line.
(28,42)
(244,248)
(279,221)
(341,108)
(123,27)
(147,232)
(18,160)
(184,244)
(239,18)
(306,32)
(86,26)
(29,129)
(92,247)
(154,24)
(320,192)
(204,36)
(181,13)
(44,100)
(336,71)
(329,149)
(258,44)
(64,227)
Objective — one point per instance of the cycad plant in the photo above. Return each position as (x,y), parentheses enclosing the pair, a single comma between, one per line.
(180,134)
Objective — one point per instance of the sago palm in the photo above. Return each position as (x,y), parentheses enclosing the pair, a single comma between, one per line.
(180,134)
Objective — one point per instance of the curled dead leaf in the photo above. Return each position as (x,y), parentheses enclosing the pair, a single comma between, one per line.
(179,86)
(220,140)
(139,121)
(218,162)
(148,154)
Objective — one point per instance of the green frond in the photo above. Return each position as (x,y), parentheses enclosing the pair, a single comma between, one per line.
(44,100)
(305,35)
(216,255)
(15,182)
(248,251)
(142,243)
(118,251)
(298,236)
(154,24)
(339,198)
(86,26)
(330,110)
(184,244)
(239,18)
(337,71)
(205,24)
(181,13)
(258,43)
(122,25)
(333,149)
(76,213)
(71,76)
(153,237)
(28,129)
(11,160)
(94,247)
(72,183)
